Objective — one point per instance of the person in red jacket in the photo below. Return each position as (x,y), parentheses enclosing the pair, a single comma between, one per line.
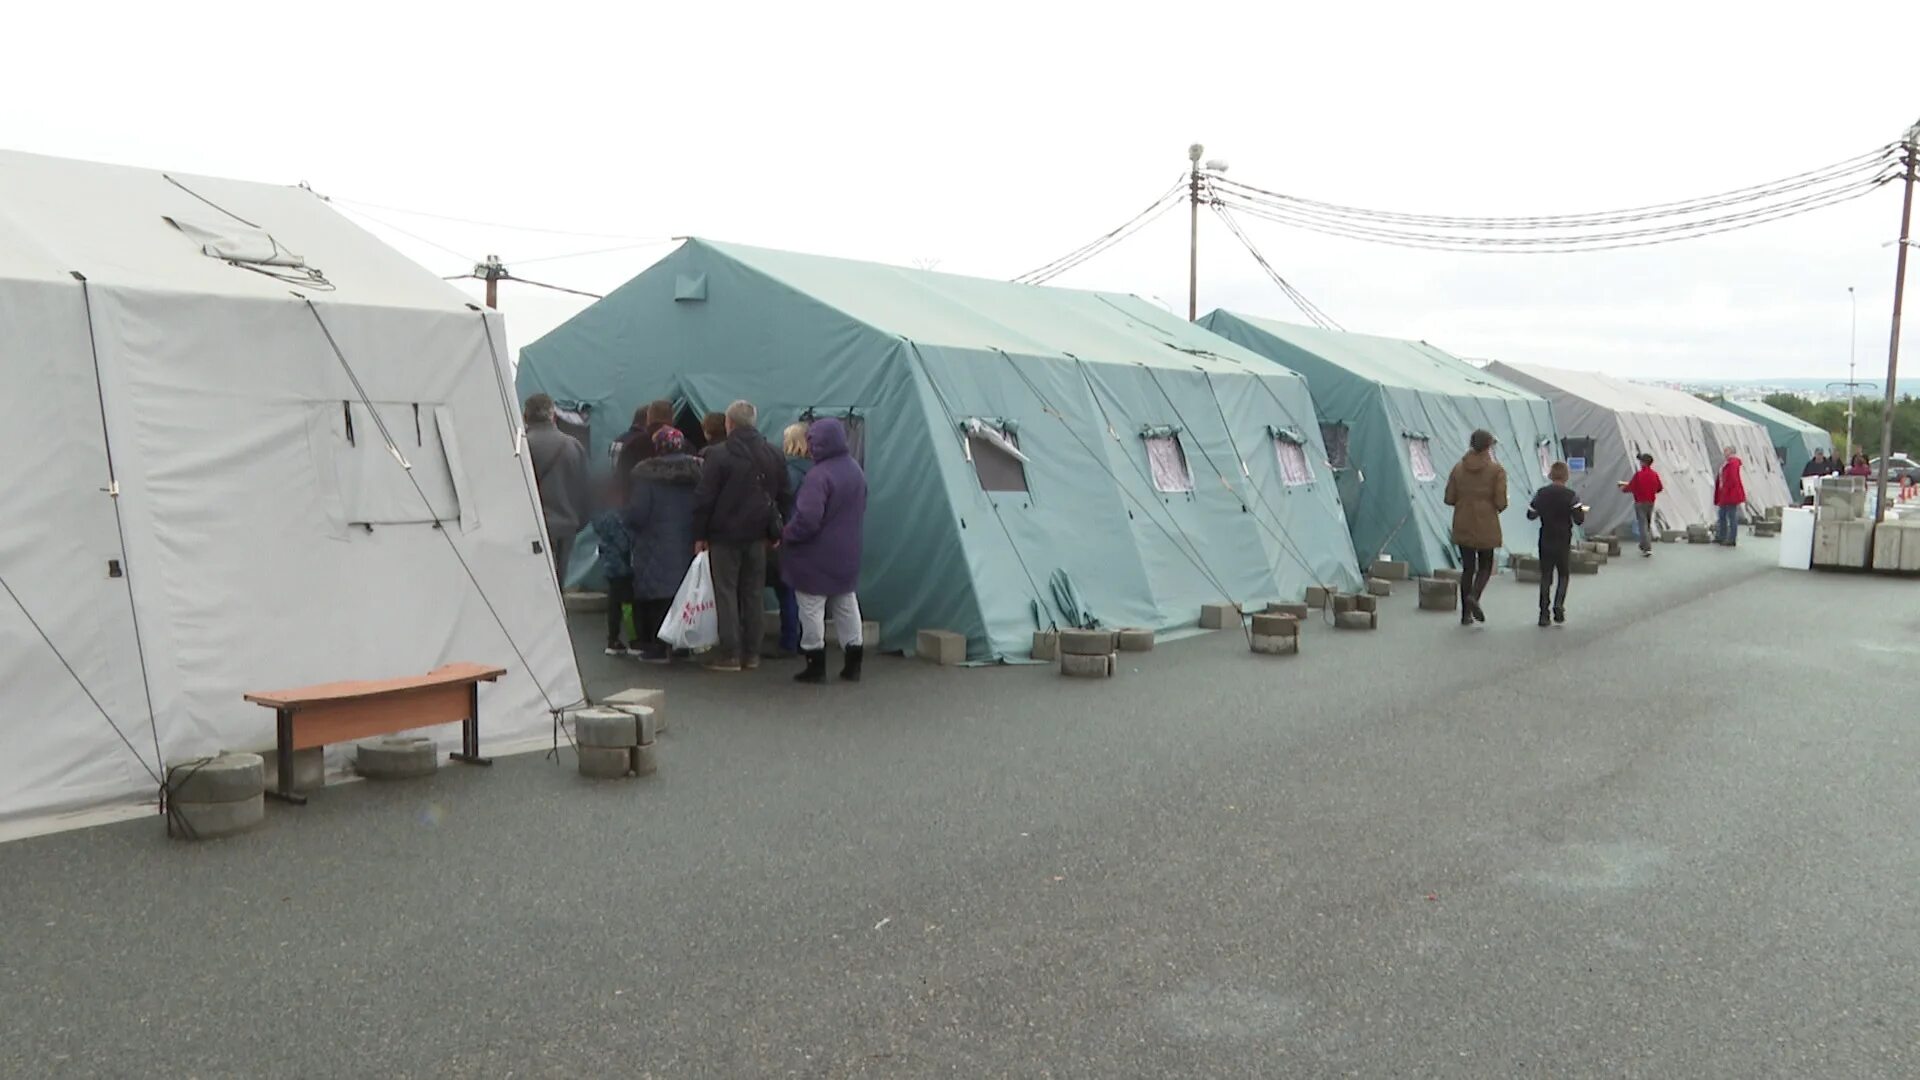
(1729,495)
(1644,487)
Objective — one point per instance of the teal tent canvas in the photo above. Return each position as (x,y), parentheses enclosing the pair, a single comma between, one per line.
(1794,440)
(1036,457)
(1396,415)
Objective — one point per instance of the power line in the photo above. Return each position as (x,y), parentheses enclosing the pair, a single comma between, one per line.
(1048,271)
(497,224)
(1307,307)
(412,235)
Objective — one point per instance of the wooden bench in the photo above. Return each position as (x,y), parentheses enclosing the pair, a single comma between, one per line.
(313,716)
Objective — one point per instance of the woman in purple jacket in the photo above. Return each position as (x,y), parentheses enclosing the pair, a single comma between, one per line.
(820,551)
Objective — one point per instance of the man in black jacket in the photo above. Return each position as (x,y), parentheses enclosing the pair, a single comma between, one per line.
(1558,510)
(736,513)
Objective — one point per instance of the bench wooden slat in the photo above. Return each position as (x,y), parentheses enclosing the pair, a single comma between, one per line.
(344,720)
(452,676)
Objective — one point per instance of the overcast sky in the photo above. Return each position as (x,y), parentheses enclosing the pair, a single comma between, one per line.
(991,137)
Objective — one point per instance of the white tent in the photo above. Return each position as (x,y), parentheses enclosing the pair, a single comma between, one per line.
(1605,423)
(196,500)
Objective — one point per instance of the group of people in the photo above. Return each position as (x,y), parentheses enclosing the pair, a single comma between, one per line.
(1822,465)
(1477,491)
(789,519)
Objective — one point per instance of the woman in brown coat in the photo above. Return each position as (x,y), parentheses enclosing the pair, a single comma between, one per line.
(1477,491)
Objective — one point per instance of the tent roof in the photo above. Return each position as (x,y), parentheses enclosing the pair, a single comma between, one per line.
(1761,411)
(1412,365)
(1620,395)
(111,223)
(953,311)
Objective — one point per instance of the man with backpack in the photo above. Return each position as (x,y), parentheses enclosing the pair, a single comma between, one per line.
(738,509)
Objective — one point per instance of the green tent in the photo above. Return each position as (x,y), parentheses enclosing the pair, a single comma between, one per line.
(1794,439)
(1396,415)
(1036,457)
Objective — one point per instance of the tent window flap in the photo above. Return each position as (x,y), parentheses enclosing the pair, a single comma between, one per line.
(372,480)
(1168,462)
(234,242)
(1295,469)
(1579,453)
(1335,437)
(1420,456)
(997,459)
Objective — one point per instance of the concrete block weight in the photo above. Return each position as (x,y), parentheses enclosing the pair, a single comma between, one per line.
(1447,573)
(218,779)
(212,820)
(1275,644)
(1081,666)
(605,762)
(943,647)
(1438,594)
(652,699)
(610,729)
(1366,602)
(1276,625)
(1219,616)
(1527,575)
(1046,645)
(1390,570)
(1319,596)
(1086,642)
(1297,610)
(396,757)
(1356,620)
(645,760)
(1380,586)
(1135,640)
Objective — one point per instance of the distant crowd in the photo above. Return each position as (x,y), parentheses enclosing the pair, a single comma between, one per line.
(786,519)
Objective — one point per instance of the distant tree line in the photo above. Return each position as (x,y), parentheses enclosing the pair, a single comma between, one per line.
(1831,416)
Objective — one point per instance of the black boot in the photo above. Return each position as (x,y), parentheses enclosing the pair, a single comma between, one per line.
(850,671)
(816,669)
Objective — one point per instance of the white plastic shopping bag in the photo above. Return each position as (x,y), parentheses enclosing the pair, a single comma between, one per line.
(690,623)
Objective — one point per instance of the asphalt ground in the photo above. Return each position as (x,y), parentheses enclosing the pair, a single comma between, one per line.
(1678,837)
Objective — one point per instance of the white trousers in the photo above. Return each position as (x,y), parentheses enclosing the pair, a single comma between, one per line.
(813,619)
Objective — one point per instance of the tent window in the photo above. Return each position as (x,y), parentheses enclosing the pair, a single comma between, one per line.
(997,469)
(1169,464)
(575,419)
(1546,458)
(857,438)
(1295,469)
(1420,454)
(1335,437)
(374,486)
(1579,453)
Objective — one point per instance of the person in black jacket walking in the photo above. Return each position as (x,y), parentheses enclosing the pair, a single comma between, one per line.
(736,512)
(1558,510)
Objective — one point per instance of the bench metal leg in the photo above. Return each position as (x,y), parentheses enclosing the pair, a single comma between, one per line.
(283,757)
(469,753)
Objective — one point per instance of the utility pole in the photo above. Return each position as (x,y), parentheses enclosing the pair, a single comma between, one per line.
(1853,351)
(1193,238)
(491,272)
(1911,151)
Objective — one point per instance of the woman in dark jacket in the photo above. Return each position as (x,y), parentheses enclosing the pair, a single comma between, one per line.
(659,515)
(820,550)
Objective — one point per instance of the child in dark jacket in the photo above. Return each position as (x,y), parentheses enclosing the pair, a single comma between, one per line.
(1558,510)
(616,564)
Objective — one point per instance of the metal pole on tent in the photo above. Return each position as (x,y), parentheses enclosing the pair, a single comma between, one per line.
(1912,153)
(1193,234)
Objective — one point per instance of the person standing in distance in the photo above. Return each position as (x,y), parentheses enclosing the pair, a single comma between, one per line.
(820,551)
(1729,495)
(1477,491)
(736,514)
(560,469)
(1645,487)
(1558,510)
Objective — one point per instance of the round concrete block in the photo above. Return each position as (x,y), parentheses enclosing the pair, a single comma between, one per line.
(396,757)
(1270,625)
(1356,620)
(1086,642)
(208,820)
(646,722)
(1081,666)
(1136,640)
(1275,644)
(222,779)
(653,699)
(605,762)
(610,728)
(645,761)
(1298,611)
(1379,587)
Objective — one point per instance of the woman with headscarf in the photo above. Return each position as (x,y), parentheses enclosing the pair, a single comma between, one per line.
(1477,491)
